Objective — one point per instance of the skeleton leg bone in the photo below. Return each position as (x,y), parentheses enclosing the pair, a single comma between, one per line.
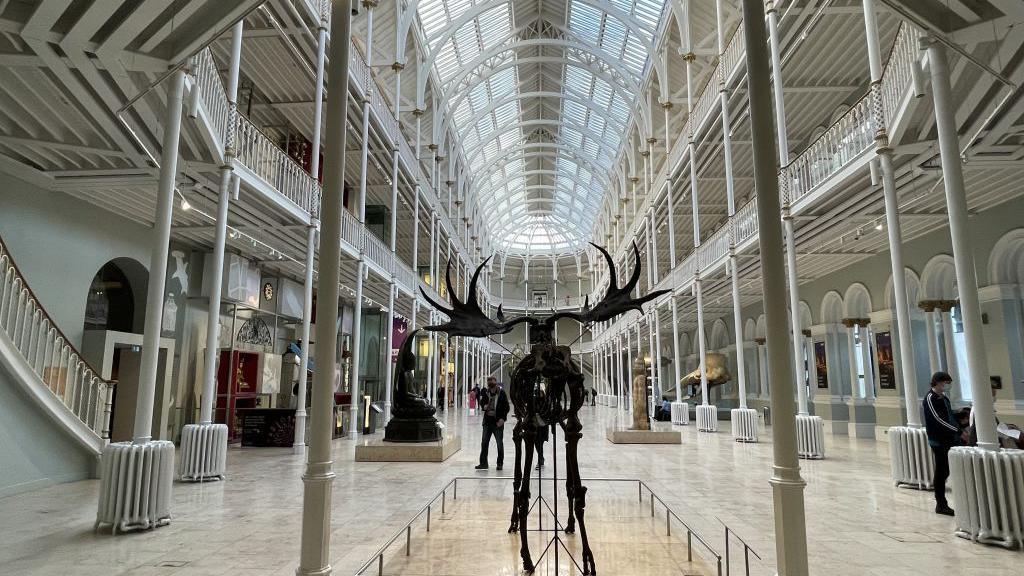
(529,433)
(517,480)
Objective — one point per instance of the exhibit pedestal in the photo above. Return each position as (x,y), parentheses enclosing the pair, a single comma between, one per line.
(987,495)
(744,424)
(627,436)
(707,418)
(204,451)
(681,413)
(810,436)
(911,459)
(381,451)
(412,430)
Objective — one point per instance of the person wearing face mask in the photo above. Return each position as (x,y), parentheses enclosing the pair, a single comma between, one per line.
(943,434)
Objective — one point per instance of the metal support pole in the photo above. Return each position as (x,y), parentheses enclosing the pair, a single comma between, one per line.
(220,240)
(787,485)
(299,445)
(143,431)
(963,257)
(318,478)
(675,348)
(701,342)
(908,376)
(737,317)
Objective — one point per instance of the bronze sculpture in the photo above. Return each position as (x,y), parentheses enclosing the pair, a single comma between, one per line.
(546,388)
(412,415)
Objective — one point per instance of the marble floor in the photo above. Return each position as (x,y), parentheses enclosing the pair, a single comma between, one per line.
(857,523)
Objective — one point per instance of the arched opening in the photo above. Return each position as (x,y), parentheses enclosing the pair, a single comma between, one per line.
(116,298)
(115,310)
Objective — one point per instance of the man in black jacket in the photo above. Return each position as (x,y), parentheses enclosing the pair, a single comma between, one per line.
(493,402)
(943,434)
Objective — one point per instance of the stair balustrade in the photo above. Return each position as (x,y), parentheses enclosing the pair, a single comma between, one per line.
(51,355)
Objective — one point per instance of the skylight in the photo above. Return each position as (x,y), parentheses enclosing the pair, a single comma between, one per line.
(540,166)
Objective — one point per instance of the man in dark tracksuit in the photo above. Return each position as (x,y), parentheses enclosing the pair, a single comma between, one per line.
(494,403)
(943,434)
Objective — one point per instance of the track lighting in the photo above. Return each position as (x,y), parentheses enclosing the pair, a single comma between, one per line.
(185,205)
(878,226)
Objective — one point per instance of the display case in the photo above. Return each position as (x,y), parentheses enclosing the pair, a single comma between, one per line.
(238,381)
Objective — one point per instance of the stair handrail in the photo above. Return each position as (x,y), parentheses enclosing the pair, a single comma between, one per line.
(40,341)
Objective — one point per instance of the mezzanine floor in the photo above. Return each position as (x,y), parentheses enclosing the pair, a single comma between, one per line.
(857,523)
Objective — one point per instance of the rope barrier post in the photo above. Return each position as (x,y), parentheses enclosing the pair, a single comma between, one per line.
(408,540)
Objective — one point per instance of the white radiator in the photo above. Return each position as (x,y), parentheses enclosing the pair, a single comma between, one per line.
(988,495)
(810,436)
(744,424)
(204,452)
(135,485)
(681,413)
(707,418)
(912,461)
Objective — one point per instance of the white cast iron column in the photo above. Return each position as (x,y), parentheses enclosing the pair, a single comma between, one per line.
(318,478)
(787,485)
(966,278)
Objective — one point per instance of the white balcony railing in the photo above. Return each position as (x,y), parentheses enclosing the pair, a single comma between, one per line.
(46,349)
(846,138)
(899,69)
(268,161)
(211,90)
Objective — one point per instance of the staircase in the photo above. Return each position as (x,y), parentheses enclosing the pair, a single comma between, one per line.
(48,367)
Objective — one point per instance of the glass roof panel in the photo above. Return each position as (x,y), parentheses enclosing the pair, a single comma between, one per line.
(540,198)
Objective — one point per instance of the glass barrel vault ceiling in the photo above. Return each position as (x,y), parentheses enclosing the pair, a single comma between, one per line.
(541,108)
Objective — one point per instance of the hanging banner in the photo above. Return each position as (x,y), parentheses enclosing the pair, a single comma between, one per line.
(399,331)
(883,353)
(821,364)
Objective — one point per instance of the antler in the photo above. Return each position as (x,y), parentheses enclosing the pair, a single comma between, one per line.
(617,300)
(466,318)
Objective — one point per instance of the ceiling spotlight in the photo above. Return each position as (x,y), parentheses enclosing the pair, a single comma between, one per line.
(878,226)
(185,205)
(233,233)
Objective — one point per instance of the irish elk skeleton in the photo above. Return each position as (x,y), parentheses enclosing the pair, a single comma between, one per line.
(546,388)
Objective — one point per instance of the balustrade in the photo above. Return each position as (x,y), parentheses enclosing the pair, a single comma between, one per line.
(49,353)
(268,161)
(214,98)
(847,137)
(899,70)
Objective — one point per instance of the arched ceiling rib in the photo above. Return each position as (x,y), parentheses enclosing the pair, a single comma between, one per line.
(542,98)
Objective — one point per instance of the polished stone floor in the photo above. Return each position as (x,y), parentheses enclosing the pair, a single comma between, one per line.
(857,523)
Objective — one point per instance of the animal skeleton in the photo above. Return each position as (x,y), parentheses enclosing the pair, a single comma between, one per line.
(546,387)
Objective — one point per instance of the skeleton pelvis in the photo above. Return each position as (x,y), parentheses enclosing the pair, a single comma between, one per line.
(718,371)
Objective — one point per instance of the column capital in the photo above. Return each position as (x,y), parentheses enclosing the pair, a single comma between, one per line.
(806,333)
(688,56)
(397,66)
(418,111)
(760,341)
(928,305)
(667,105)
(652,140)
(946,305)
(369,3)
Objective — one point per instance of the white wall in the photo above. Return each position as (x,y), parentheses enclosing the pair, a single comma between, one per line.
(60,242)
(34,452)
